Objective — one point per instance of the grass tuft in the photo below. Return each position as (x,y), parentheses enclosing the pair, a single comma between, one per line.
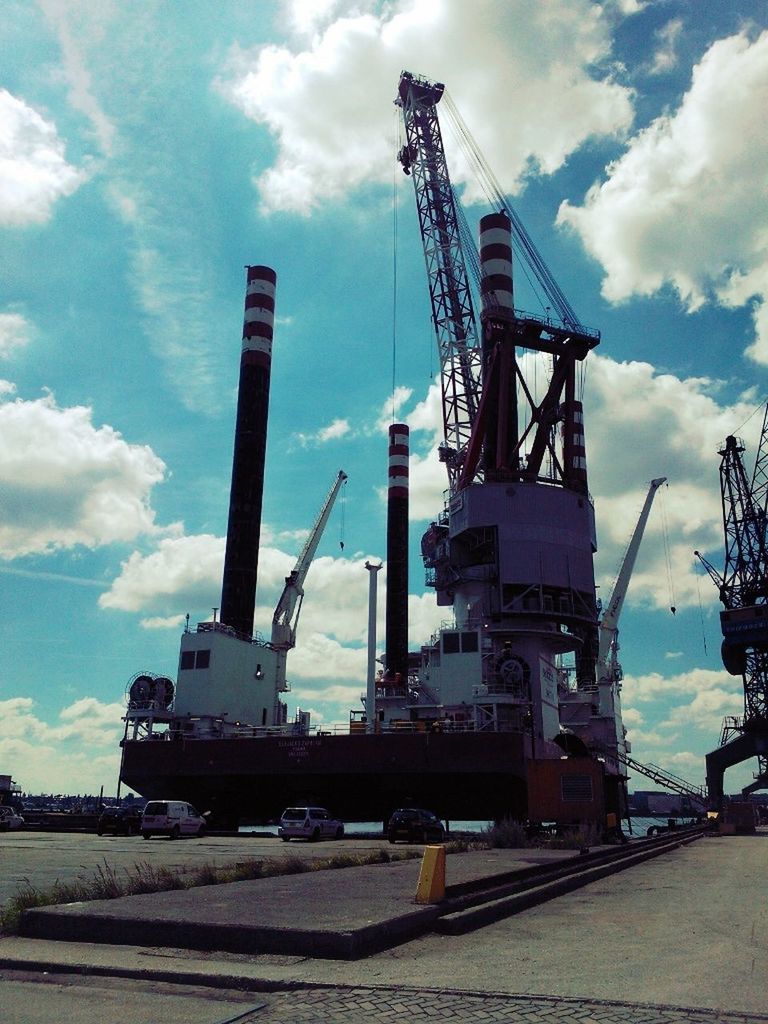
(106,884)
(506,835)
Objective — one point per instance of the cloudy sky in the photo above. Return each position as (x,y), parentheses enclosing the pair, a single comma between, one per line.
(148,151)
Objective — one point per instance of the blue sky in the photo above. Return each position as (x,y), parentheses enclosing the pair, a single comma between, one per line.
(148,151)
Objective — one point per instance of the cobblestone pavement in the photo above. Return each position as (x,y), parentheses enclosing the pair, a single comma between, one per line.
(411,1006)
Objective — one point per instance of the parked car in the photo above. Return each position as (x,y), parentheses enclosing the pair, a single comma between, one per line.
(415,825)
(120,821)
(310,823)
(9,819)
(172,818)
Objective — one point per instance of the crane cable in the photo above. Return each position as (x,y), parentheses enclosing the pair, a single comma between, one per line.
(536,272)
(394,262)
(523,242)
(667,555)
(701,612)
(342,514)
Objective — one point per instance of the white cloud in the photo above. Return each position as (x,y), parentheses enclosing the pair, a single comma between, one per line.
(307,16)
(15,333)
(661,425)
(338,428)
(81,748)
(66,482)
(685,204)
(319,657)
(653,686)
(162,622)
(329,106)
(392,407)
(34,173)
(707,710)
(182,571)
(79,24)
(665,58)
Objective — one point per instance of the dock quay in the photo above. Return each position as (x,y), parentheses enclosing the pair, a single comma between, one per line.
(679,936)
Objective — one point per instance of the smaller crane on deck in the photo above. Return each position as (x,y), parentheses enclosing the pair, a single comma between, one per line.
(286,616)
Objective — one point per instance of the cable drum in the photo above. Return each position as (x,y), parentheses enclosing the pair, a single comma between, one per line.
(163,691)
(140,691)
(509,674)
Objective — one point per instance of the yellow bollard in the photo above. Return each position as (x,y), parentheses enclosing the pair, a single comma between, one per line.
(431,887)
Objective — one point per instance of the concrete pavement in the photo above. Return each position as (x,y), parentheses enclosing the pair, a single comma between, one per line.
(680,938)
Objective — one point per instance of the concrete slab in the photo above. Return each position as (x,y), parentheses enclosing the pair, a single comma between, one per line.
(338,914)
(689,929)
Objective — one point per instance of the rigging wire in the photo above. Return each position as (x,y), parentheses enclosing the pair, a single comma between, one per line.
(342,514)
(394,262)
(701,611)
(520,237)
(757,409)
(667,555)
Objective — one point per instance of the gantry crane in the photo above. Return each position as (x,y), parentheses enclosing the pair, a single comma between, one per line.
(286,615)
(743,590)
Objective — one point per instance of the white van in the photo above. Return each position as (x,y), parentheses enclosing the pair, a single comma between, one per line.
(172,818)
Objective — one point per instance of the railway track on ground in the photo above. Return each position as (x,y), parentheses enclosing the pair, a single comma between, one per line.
(475,904)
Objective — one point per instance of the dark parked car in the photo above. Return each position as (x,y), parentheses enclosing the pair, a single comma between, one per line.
(414,825)
(120,821)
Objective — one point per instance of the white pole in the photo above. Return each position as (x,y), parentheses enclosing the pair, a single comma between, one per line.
(370,697)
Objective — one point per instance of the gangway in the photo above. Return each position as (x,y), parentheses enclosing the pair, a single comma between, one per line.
(665,778)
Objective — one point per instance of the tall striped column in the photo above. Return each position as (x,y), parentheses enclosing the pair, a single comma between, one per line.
(396,655)
(574,448)
(496,287)
(498,347)
(241,561)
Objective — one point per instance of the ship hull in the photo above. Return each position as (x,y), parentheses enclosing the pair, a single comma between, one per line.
(461,776)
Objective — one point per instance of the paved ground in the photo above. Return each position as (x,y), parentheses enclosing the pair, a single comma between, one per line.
(680,938)
(43,858)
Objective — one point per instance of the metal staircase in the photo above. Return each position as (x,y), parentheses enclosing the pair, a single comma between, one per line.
(665,778)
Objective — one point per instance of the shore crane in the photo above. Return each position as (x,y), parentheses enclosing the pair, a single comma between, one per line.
(500,432)
(286,615)
(743,591)
(480,375)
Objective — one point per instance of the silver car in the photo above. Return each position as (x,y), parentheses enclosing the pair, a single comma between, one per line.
(310,823)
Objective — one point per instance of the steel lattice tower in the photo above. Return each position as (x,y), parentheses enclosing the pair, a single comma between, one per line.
(743,589)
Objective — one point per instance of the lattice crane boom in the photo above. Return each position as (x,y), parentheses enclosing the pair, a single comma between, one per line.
(453,316)
(481,376)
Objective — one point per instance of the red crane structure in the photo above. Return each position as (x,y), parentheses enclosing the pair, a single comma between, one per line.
(743,590)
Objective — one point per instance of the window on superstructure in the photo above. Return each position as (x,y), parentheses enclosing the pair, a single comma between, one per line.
(469,643)
(195,659)
(451,643)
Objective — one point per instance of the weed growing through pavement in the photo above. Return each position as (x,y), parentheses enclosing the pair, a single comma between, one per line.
(106,883)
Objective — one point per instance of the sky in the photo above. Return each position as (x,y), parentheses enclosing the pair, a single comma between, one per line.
(149,151)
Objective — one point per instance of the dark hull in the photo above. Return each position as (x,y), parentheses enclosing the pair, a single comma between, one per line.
(468,776)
